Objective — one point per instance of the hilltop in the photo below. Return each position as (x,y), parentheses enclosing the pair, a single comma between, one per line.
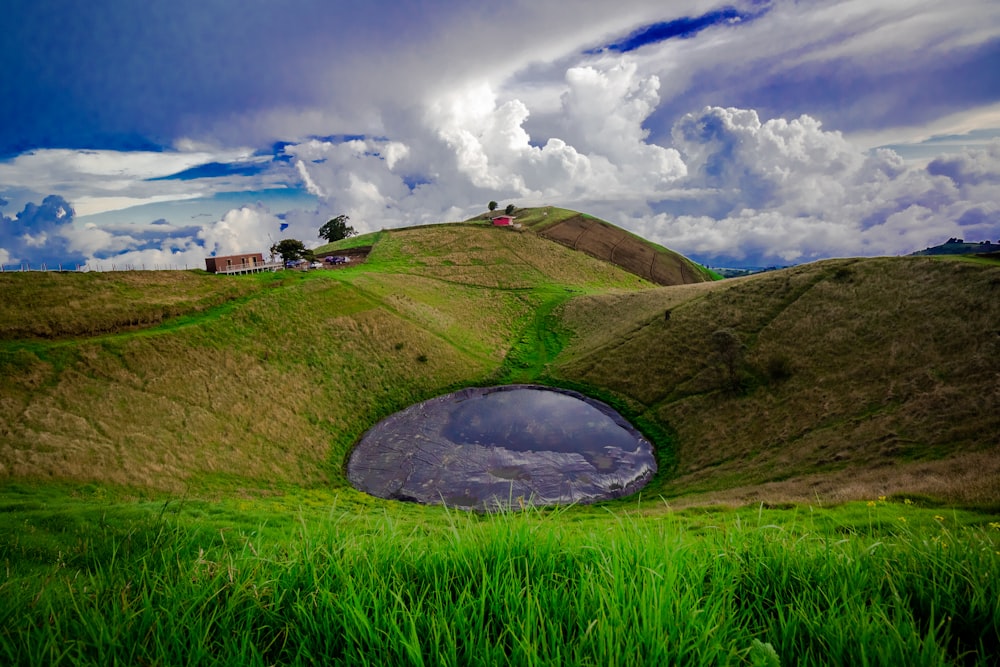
(955,246)
(853,378)
(603,240)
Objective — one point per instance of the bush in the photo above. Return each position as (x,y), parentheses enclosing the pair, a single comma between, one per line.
(778,368)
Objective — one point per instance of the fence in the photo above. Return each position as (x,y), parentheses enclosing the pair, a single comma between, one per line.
(83,268)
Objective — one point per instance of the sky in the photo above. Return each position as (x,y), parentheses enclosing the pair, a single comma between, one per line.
(739,133)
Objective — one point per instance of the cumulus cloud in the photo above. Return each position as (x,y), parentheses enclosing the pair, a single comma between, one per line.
(105,180)
(163,245)
(756,175)
(34,235)
(783,191)
(601,144)
(977,167)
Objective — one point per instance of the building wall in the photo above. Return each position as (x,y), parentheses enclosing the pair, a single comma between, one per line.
(216,264)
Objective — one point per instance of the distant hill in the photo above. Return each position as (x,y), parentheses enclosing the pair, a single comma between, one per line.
(603,240)
(960,247)
(837,380)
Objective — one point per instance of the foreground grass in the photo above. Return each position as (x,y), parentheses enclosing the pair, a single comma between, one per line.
(144,583)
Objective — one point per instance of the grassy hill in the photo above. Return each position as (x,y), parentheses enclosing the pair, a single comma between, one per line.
(859,378)
(172,446)
(960,247)
(610,243)
(856,377)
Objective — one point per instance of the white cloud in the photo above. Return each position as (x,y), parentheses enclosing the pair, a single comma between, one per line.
(246,229)
(790,191)
(601,147)
(96,181)
(506,103)
(35,241)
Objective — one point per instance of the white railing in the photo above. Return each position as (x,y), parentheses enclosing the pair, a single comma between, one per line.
(250,268)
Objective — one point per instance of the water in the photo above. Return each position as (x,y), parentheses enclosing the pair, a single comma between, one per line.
(493,447)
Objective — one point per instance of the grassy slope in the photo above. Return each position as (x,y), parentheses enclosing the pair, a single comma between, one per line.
(672,268)
(263,555)
(864,377)
(53,305)
(276,386)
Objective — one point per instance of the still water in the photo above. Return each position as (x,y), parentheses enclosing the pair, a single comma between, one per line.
(493,447)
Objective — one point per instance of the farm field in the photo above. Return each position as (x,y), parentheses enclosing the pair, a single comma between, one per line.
(172,447)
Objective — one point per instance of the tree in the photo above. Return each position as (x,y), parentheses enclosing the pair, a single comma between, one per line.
(729,353)
(493,206)
(509,209)
(336,229)
(290,249)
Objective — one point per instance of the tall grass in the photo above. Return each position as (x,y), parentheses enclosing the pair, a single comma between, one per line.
(534,588)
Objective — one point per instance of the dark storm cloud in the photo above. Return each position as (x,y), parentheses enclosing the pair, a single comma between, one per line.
(215,170)
(135,75)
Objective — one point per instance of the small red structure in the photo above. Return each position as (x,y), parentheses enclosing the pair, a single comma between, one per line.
(235,263)
(503,220)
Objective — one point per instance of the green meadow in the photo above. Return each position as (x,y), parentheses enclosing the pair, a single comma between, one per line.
(172,445)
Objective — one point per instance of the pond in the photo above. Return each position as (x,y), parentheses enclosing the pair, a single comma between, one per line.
(488,448)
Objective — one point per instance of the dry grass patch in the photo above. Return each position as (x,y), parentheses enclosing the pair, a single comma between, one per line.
(274,391)
(496,258)
(56,305)
(848,365)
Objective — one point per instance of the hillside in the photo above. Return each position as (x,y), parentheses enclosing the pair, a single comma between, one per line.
(859,378)
(275,383)
(960,247)
(610,243)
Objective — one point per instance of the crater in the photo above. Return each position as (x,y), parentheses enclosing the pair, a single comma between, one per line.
(489,448)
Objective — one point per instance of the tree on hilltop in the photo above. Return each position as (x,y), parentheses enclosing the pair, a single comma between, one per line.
(509,210)
(493,206)
(336,229)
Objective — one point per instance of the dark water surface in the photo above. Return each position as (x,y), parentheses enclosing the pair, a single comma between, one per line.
(492,447)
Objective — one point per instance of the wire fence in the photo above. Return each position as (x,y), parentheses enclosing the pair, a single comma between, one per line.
(83,268)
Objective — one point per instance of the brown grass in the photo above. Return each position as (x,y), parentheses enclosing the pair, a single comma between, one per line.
(863,377)
(613,244)
(273,392)
(890,361)
(59,305)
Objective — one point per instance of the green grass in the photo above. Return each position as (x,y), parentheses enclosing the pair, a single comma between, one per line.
(172,490)
(329,582)
(60,305)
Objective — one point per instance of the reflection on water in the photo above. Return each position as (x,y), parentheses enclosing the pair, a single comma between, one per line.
(486,448)
(528,419)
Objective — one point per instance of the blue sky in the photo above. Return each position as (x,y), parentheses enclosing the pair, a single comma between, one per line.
(738,133)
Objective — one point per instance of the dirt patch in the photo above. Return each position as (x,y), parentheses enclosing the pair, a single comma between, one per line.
(354,256)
